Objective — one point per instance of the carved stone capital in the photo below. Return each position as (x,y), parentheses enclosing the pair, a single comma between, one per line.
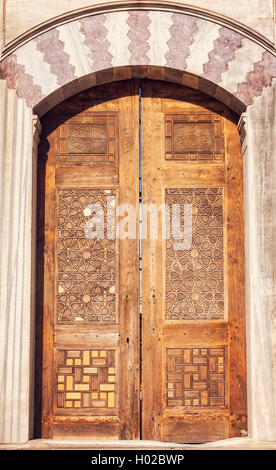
(36,126)
(36,132)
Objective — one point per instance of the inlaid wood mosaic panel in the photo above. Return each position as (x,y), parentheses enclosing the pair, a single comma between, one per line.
(194,137)
(88,138)
(86,379)
(196,377)
(195,276)
(87,256)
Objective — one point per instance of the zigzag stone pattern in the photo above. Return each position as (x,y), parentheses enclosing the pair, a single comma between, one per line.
(70,52)
(138,34)
(182,31)
(223,53)
(95,33)
(53,51)
(261,76)
(18,79)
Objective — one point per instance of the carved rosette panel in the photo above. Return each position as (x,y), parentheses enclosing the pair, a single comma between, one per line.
(196,376)
(86,379)
(87,256)
(194,137)
(89,138)
(195,273)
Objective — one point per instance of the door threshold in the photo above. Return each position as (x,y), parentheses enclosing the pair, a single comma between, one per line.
(238,443)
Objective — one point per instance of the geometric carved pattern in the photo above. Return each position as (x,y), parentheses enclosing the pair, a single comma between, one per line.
(194,137)
(88,138)
(195,276)
(85,379)
(196,377)
(86,266)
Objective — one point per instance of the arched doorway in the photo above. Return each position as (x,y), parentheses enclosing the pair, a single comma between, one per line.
(143,324)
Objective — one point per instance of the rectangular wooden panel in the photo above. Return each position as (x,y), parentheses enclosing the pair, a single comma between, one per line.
(236,293)
(86,428)
(196,428)
(152,268)
(91,334)
(90,137)
(87,255)
(194,137)
(86,334)
(86,379)
(195,260)
(196,377)
(193,331)
(129,404)
(193,290)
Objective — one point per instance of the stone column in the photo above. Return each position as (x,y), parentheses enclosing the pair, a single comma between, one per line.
(258,135)
(18,149)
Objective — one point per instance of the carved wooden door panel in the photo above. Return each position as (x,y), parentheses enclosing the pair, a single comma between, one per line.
(192,347)
(193,321)
(87,288)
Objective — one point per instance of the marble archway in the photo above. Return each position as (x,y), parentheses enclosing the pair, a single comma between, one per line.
(67,58)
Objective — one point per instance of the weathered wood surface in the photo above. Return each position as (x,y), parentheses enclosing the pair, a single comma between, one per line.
(194,377)
(90,368)
(192,362)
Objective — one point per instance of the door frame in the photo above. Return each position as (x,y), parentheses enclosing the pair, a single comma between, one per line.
(49,348)
(261,425)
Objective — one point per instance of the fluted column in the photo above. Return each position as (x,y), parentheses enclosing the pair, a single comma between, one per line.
(17,241)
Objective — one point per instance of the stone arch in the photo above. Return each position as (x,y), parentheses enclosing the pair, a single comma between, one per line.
(124,5)
(57,62)
(138,72)
(65,57)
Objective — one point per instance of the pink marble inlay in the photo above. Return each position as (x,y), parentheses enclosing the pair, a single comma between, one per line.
(261,76)
(182,31)
(54,55)
(95,32)
(138,34)
(224,50)
(18,80)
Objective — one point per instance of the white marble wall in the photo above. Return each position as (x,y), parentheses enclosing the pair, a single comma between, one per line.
(17,196)
(22,15)
(260,244)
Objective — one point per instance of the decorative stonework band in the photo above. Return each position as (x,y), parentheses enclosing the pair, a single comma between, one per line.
(70,53)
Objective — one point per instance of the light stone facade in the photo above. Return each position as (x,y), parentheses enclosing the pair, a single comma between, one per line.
(52,50)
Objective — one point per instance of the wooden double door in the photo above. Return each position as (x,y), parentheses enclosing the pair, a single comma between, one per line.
(140,273)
